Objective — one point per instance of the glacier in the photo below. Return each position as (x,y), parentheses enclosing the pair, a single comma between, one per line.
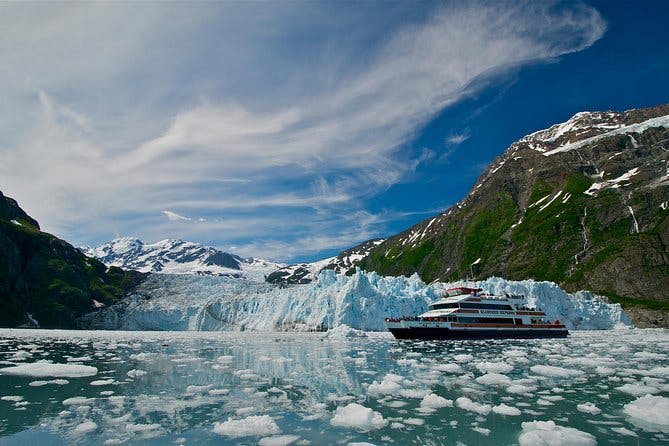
(360,301)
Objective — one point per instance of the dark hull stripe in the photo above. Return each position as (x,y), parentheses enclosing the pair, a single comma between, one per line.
(443,333)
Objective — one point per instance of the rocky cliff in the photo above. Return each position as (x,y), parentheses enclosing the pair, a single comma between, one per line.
(46,282)
(584,204)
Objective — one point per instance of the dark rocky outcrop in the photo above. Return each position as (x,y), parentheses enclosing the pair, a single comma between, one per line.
(44,280)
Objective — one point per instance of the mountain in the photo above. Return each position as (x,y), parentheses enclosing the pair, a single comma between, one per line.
(47,282)
(179,257)
(343,263)
(584,204)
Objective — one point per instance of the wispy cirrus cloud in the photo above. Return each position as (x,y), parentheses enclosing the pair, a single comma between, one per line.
(295,122)
(458,138)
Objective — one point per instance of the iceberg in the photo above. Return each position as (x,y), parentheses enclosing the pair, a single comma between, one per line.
(360,302)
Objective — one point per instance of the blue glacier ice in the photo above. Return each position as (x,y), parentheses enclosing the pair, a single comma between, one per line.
(360,301)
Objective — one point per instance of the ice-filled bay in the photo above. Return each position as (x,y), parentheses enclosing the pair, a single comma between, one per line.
(596,387)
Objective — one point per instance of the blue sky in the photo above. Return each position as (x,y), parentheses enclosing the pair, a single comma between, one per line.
(292,130)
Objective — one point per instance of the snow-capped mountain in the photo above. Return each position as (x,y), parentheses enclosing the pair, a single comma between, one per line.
(179,257)
(343,263)
(583,203)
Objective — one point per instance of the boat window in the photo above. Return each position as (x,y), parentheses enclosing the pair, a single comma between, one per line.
(442,306)
(485,306)
(486,320)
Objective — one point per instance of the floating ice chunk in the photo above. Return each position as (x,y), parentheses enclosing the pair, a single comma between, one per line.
(503,409)
(623,431)
(135,373)
(145,430)
(547,433)
(358,417)
(649,356)
(481,430)
(198,389)
(390,385)
(103,382)
(85,428)
(515,353)
(414,393)
(494,367)
(604,371)
(255,425)
(462,358)
(471,406)
(218,392)
(364,443)
(12,398)
(278,440)
(520,389)
(448,368)
(415,421)
(434,401)
(78,401)
(395,404)
(142,356)
(555,372)
(588,408)
(20,355)
(243,411)
(43,369)
(494,379)
(637,389)
(344,331)
(659,371)
(225,359)
(650,413)
(79,359)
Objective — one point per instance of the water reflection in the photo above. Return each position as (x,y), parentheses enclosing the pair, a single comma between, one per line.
(155,388)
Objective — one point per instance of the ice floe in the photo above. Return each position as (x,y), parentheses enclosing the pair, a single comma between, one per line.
(555,372)
(85,428)
(358,417)
(253,426)
(504,409)
(649,412)
(43,369)
(466,404)
(547,433)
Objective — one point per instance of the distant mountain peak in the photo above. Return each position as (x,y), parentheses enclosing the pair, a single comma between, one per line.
(175,256)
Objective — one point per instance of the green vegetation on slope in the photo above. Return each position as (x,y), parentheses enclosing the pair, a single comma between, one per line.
(45,277)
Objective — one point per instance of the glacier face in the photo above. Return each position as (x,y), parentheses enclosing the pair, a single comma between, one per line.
(360,301)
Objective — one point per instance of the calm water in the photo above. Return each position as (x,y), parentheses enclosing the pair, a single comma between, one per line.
(281,388)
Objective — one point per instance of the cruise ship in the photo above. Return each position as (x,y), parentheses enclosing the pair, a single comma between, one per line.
(469,313)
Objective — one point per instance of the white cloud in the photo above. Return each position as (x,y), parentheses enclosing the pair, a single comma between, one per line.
(458,138)
(126,112)
(173,216)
